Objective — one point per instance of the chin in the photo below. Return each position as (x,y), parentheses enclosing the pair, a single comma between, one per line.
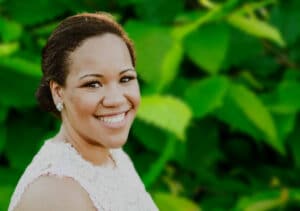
(116,142)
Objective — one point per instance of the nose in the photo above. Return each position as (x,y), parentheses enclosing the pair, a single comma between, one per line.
(113,96)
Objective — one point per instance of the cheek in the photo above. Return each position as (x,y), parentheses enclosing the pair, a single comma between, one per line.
(135,95)
(84,103)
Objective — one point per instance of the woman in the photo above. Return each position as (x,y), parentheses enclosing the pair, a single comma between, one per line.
(89,81)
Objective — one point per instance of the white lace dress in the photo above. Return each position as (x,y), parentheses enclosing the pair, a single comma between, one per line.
(110,188)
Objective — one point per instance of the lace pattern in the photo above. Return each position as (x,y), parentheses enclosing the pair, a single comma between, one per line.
(110,188)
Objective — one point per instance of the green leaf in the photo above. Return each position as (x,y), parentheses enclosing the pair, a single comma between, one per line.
(294,143)
(288,95)
(207,46)
(30,12)
(291,74)
(158,54)
(294,194)
(166,112)
(8,180)
(215,14)
(2,136)
(80,6)
(242,47)
(285,99)
(247,77)
(21,65)
(284,16)
(285,124)
(231,114)
(167,202)
(256,27)
(153,138)
(3,116)
(45,30)
(217,203)
(124,3)
(189,16)
(268,200)
(3,113)
(8,48)
(19,95)
(10,30)
(181,31)
(206,95)
(159,165)
(263,205)
(9,176)
(255,111)
(202,145)
(152,10)
(31,129)
(284,103)
(6,192)
(170,64)
(263,67)
(25,76)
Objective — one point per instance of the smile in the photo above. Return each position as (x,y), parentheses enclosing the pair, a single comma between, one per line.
(113,119)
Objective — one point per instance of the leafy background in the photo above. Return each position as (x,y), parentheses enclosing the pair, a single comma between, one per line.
(218,128)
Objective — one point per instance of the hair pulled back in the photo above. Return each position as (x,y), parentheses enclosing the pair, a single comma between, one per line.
(69,35)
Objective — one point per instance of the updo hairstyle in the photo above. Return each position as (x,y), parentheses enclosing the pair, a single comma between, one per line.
(68,36)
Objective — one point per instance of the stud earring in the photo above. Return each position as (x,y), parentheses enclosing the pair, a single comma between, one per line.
(59,106)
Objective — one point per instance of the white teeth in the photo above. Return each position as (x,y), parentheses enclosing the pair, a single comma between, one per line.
(113,119)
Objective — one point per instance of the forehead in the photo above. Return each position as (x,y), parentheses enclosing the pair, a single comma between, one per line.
(104,52)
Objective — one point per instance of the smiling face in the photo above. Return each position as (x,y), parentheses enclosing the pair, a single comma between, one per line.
(101,94)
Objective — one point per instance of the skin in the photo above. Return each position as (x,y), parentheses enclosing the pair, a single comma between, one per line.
(55,194)
(101,83)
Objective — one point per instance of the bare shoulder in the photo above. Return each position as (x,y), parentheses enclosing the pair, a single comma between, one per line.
(49,193)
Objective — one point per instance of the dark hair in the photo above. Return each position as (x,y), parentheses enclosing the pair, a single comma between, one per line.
(69,35)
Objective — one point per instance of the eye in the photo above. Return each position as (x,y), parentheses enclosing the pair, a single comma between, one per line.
(92,84)
(126,79)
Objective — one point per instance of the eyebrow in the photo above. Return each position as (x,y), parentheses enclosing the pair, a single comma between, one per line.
(101,76)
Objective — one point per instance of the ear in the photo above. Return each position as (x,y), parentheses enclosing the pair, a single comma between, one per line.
(56,91)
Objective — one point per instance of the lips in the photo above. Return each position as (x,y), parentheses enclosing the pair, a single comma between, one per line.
(113,120)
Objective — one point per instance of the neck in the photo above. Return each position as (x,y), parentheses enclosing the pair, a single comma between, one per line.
(94,153)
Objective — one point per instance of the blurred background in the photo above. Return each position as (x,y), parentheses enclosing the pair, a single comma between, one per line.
(219,124)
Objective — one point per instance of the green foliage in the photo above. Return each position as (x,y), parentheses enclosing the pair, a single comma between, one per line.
(158,166)
(22,11)
(207,46)
(288,93)
(151,11)
(256,27)
(6,191)
(25,77)
(165,57)
(166,112)
(255,112)
(10,30)
(7,49)
(218,126)
(206,95)
(169,202)
(268,200)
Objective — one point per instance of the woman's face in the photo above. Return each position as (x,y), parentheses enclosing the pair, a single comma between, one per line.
(101,94)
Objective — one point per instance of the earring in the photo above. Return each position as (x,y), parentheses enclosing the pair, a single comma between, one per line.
(59,106)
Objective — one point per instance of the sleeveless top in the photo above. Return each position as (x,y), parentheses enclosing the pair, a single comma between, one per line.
(115,188)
